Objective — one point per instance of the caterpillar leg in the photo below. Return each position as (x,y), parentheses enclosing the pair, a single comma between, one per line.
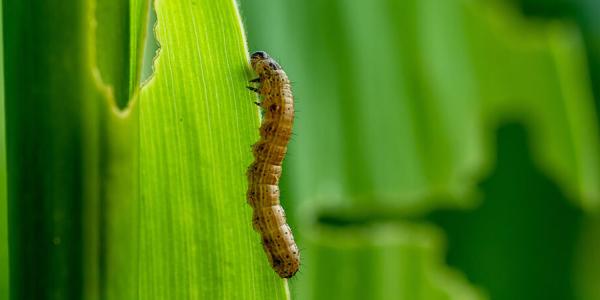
(252,89)
(255,79)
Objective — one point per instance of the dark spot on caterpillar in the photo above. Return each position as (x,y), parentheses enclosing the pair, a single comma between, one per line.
(274,66)
(269,128)
(260,148)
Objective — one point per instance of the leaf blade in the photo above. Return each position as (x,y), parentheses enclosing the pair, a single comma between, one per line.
(198,118)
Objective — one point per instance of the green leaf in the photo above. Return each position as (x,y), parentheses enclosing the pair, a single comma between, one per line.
(50,102)
(396,260)
(118,192)
(197,122)
(4,259)
(398,103)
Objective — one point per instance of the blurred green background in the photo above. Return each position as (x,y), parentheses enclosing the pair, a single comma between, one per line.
(443,149)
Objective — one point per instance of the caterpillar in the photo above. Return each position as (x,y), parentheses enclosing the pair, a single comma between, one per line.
(263,174)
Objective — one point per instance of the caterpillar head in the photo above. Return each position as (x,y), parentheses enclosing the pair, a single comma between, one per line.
(262,63)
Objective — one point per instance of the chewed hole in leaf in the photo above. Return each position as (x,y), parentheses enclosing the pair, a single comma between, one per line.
(151,46)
